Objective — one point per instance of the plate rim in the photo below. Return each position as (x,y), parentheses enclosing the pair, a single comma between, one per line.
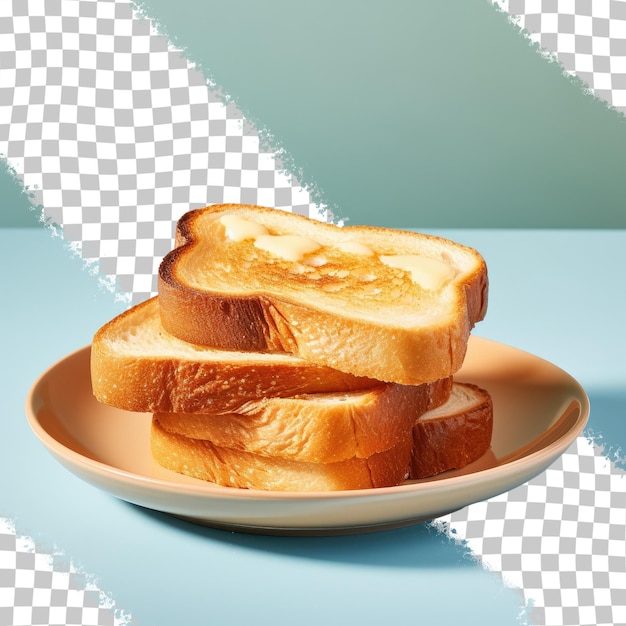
(203,490)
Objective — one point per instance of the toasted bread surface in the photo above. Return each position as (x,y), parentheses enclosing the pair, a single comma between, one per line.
(454,434)
(392,305)
(446,437)
(317,428)
(138,366)
(237,468)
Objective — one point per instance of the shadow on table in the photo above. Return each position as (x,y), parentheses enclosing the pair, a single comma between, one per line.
(420,545)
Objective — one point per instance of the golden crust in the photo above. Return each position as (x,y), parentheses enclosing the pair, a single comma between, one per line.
(237,468)
(317,428)
(457,437)
(270,317)
(459,434)
(164,374)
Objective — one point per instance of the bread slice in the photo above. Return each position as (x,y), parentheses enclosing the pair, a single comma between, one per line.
(447,437)
(316,428)
(392,305)
(237,468)
(136,365)
(454,434)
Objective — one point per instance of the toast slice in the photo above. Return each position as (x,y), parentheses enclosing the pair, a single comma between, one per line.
(454,434)
(137,366)
(237,468)
(316,428)
(392,305)
(446,437)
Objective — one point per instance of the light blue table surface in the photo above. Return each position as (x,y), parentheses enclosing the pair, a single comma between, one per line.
(557,294)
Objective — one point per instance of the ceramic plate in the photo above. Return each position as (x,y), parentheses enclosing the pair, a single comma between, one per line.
(539,410)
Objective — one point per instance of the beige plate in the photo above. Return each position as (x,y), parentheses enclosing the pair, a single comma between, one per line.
(539,410)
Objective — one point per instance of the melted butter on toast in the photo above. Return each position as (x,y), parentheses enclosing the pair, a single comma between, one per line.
(240,229)
(288,247)
(429,273)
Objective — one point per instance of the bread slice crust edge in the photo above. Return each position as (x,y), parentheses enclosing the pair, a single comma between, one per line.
(271,322)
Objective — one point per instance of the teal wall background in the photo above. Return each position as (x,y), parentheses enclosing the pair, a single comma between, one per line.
(407,113)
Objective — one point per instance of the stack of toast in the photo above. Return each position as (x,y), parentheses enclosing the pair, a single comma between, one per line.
(283,353)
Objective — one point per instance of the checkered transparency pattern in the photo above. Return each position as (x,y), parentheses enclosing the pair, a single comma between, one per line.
(587,37)
(116,135)
(38,587)
(560,538)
